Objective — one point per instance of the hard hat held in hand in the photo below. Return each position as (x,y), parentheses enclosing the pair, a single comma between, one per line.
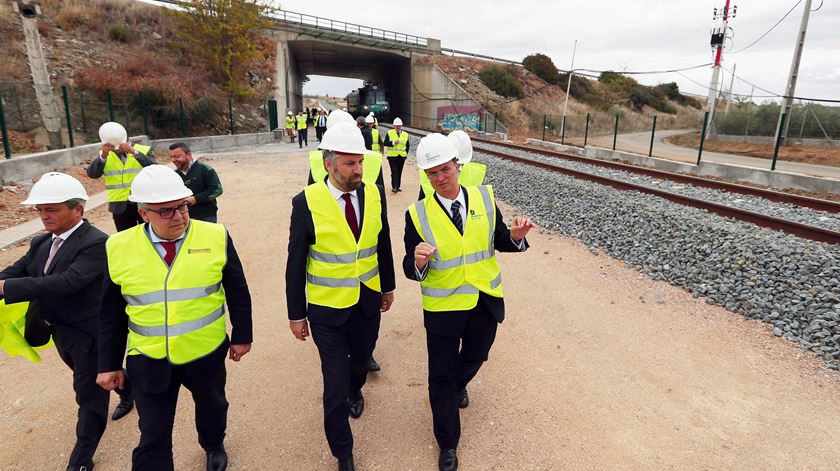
(113,133)
(398,122)
(463,145)
(433,150)
(343,137)
(289,113)
(339,116)
(55,187)
(158,184)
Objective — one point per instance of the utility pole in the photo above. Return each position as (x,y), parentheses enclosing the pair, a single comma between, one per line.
(568,87)
(729,95)
(718,37)
(794,74)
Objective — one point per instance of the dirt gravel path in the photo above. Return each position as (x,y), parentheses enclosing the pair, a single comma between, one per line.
(596,367)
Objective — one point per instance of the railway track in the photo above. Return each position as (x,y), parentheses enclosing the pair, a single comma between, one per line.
(557,162)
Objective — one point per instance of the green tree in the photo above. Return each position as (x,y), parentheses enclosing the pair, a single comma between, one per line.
(504,80)
(223,36)
(543,67)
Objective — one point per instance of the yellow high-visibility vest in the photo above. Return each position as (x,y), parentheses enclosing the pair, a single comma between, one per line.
(371,166)
(463,265)
(337,264)
(374,133)
(301,121)
(175,312)
(12,329)
(470,174)
(290,122)
(119,175)
(398,143)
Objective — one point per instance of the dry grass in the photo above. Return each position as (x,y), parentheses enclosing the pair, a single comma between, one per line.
(800,154)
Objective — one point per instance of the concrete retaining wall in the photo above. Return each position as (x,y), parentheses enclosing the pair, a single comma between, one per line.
(35,165)
(772,179)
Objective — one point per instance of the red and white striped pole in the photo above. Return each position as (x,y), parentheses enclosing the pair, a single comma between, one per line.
(718,38)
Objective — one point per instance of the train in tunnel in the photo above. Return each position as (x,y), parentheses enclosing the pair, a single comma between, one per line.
(371,97)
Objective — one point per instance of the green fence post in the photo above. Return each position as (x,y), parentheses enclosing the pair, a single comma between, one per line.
(67,114)
(544,121)
(778,141)
(563,131)
(82,111)
(702,136)
(144,114)
(495,121)
(181,121)
(230,113)
(652,133)
(615,132)
(7,149)
(110,106)
(586,132)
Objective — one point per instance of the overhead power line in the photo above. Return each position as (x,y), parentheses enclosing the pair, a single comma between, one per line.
(769,30)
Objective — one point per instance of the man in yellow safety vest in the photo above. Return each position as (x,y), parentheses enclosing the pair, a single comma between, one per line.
(340,278)
(166,288)
(119,162)
(451,238)
(396,142)
(290,126)
(302,129)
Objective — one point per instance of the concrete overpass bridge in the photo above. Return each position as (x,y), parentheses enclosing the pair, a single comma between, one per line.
(419,93)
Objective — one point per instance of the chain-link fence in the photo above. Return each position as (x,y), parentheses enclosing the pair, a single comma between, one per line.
(149,113)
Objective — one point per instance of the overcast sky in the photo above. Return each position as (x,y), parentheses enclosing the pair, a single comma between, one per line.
(640,35)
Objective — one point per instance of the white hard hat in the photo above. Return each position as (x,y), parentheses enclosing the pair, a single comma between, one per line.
(338,116)
(343,137)
(344,109)
(463,145)
(398,122)
(433,150)
(158,184)
(289,113)
(113,133)
(369,119)
(55,187)
(370,114)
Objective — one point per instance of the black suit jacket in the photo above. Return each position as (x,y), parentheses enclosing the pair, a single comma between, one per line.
(447,322)
(69,292)
(302,235)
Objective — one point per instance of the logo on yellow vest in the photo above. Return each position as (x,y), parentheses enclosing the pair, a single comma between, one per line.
(192,251)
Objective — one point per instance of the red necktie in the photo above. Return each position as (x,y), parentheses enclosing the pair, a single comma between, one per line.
(170,252)
(350,215)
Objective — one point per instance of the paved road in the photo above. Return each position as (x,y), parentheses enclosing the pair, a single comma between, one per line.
(640,143)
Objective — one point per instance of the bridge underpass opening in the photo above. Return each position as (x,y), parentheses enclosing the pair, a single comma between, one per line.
(330,91)
(391,70)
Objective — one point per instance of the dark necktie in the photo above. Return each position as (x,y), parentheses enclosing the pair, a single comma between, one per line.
(350,215)
(170,252)
(456,216)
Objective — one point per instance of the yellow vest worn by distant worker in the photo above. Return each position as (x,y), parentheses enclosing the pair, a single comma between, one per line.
(398,143)
(463,265)
(374,133)
(119,175)
(174,312)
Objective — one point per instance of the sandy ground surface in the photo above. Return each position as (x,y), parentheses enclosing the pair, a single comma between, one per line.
(596,367)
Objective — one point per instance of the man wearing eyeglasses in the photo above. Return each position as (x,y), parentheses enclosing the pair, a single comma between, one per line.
(166,286)
(451,237)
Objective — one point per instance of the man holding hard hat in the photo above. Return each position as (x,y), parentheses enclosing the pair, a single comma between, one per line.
(119,161)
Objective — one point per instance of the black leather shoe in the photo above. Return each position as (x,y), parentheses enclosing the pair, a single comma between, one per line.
(463,399)
(217,460)
(448,460)
(357,404)
(80,467)
(346,464)
(123,408)
(372,365)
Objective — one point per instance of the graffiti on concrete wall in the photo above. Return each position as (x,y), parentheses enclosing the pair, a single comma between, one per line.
(466,117)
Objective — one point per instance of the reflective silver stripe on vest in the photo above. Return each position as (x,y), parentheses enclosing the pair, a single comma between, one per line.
(118,186)
(177,329)
(458,261)
(370,274)
(446,292)
(119,172)
(172,295)
(490,209)
(341,258)
(332,282)
(425,228)
(495,282)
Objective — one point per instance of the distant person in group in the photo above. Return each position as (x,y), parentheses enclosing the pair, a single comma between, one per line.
(398,146)
(119,161)
(61,274)
(163,302)
(302,130)
(376,139)
(365,130)
(201,179)
(290,126)
(375,121)
(451,239)
(320,124)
